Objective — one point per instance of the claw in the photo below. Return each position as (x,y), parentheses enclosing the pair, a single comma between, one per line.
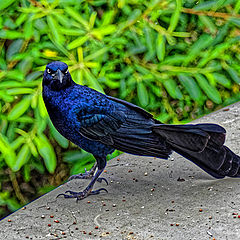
(101,161)
(65,195)
(102,179)
(81,195)
(98,191)
(71,192)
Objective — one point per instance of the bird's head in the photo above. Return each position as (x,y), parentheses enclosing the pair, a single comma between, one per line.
(57,76)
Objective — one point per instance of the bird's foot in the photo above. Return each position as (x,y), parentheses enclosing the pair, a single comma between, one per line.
(81,195)
(86,175)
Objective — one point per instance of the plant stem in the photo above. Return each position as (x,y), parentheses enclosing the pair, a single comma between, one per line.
(210,13)
(16,187)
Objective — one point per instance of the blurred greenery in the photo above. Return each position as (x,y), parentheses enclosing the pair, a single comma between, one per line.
(177,59)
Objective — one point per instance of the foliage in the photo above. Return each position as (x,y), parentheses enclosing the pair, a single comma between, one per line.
(177,59)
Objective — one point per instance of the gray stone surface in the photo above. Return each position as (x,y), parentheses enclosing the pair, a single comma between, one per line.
(145,198)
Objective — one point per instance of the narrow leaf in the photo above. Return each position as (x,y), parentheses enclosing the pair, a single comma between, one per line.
(175,16)
(77,42)
(210,90)
(19,109)
(142,94)
(7,151)
(172,89)
(5,3)
(46,151)
(62,141)
(191,86)
(161,45)
(233,74)
(22,157)
(222,79)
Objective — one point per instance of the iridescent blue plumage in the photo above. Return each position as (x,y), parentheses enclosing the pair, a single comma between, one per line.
(99,124)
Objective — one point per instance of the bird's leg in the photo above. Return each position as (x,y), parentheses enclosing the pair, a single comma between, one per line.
(88,175)
(101,163)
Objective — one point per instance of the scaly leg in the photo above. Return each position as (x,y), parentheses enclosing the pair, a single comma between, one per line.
(101,163)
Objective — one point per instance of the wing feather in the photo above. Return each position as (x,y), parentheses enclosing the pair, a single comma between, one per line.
(127,128)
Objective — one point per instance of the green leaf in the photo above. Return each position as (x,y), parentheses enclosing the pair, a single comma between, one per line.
(13,49)
(134,16)
(41,107)
(205,5)
(7,151)
(218,51)
(92,19)
(19,109)
(74,156)
(54,29)
(26,65)
(222,79)
(160,47)
(72,32)
(77,42)
(174,60)
(101,32)
(107,17)
(142,94)
(150,43)
(8,34)
(172,89)
(191,87)
(21,18)
(15,74)
(210,90)
(22,157)
(17,142)
(25,119)
(27,172)
(77,16)
(233,74)
(12,204)
(5,3)
(96,54)
(28,29)
(62,141)
(17,91)
(92,81)
(175,16)
(204,41)
(208,23)
(235,21)
(46,150)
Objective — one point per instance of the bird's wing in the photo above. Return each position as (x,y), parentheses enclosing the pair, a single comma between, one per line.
(100,126)
(131,106)
(127,128)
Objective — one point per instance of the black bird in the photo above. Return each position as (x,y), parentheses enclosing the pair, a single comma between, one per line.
(99,124)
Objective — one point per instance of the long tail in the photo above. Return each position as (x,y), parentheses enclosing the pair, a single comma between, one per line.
(203,144)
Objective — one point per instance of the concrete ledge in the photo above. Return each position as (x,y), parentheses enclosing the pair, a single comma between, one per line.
(148,199)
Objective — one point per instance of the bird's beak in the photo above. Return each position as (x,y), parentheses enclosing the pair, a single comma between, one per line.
(60,75)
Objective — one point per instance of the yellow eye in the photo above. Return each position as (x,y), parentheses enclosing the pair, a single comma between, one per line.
(66,71)
(48,70)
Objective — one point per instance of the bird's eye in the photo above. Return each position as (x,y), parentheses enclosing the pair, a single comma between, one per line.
(48,71)
(66,71)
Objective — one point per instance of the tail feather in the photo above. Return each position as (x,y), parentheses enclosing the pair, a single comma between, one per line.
(203,144)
